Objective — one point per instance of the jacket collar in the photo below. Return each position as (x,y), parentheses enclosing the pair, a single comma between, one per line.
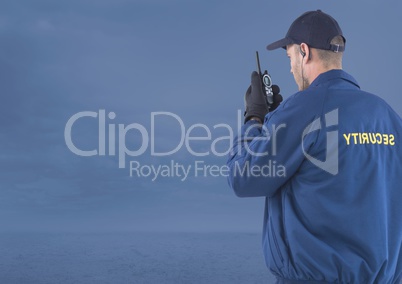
(331,75)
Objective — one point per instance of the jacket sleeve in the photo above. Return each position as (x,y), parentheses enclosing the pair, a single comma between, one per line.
(264,157)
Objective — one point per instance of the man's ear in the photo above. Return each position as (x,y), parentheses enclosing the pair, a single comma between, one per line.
(305,50)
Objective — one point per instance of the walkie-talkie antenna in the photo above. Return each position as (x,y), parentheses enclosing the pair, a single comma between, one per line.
(258,63)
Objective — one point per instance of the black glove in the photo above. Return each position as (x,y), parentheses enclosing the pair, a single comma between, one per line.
(277,97)
(256,103)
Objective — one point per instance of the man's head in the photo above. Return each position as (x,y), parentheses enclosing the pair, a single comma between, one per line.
(314,44)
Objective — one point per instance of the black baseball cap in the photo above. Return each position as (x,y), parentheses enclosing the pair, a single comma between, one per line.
(316,29)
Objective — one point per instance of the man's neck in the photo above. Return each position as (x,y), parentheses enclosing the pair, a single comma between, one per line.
(319,69)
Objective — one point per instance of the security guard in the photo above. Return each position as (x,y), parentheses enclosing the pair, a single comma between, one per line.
(328,161)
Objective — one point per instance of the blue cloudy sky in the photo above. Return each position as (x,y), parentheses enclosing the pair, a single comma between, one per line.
(135,57)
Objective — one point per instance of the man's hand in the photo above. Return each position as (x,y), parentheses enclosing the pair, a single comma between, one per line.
(277,97)
(256,104)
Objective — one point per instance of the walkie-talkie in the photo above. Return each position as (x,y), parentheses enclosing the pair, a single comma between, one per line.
(266,83)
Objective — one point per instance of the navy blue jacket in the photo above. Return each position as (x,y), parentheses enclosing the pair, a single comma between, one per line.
(328,161)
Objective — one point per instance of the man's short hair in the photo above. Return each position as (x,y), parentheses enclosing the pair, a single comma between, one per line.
(330,57)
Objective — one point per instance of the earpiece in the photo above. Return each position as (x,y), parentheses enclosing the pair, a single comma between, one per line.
(302,52)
